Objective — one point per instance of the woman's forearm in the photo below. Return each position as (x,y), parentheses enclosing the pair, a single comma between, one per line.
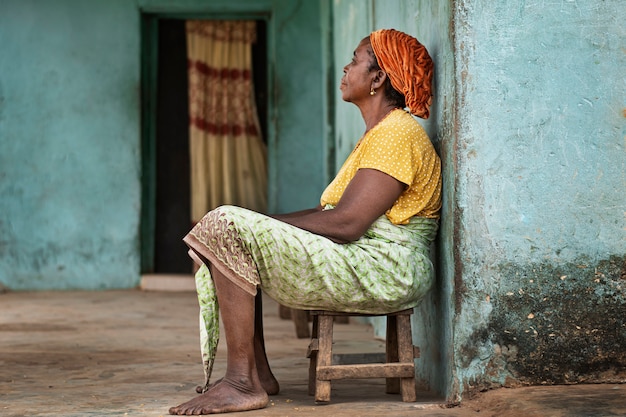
(367,197)
(316,220)
(294,214)
(334,224)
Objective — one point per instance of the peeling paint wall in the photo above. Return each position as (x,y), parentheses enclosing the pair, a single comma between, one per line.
(541,207)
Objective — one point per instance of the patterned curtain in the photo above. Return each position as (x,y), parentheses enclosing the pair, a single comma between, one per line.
(228,156)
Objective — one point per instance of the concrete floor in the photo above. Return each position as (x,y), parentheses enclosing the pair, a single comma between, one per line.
(136,353)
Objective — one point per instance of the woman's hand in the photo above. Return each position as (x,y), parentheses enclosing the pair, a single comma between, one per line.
(370,194)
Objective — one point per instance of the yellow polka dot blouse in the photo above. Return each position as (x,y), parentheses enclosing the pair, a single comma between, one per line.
(399,147)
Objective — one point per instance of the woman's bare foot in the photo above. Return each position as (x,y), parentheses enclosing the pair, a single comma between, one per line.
(224,397)
(199,388)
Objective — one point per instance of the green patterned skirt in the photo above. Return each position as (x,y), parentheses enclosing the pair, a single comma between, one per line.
(387,269)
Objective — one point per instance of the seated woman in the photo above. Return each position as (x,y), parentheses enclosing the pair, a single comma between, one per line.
(364,249)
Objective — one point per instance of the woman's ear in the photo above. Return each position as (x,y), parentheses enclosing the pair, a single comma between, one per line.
(379,79)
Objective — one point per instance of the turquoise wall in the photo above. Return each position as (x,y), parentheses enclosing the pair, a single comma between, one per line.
(69,144)
(430,23)
(70,132)
(540,201)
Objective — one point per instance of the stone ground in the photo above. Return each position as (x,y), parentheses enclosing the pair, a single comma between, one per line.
(136,353)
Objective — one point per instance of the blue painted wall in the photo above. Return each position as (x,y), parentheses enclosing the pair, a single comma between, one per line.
(430,22)
(70,157)
(540,201)
(529,120)
(69,144)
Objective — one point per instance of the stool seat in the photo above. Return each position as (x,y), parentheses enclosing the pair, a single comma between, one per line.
(397,364)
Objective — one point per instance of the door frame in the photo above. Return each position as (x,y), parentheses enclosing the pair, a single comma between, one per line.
(149,63)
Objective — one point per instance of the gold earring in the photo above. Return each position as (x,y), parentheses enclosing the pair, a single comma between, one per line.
(372,91)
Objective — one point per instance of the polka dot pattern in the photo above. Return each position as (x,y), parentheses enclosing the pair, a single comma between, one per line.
(399,147)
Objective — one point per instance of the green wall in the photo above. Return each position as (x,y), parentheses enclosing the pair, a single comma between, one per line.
(540,195)
(69,144)
(70,131)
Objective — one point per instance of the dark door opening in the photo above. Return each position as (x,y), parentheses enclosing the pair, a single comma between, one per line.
(172,217)
(172,189)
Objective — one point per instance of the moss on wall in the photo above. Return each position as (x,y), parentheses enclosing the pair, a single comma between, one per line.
(552,325)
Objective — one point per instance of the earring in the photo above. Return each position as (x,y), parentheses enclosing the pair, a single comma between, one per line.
(372,92)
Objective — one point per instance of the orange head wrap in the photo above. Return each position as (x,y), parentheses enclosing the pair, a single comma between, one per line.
(408,66)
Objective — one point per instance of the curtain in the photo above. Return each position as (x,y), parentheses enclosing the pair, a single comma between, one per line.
(228,156)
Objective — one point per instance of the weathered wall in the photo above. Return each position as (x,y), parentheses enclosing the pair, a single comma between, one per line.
(69,144)
(540,292)
(70,157)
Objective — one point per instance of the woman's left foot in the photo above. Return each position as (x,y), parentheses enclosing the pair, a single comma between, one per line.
(269,384)
(224,397)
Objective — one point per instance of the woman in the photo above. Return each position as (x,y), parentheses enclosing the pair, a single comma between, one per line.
(365,248)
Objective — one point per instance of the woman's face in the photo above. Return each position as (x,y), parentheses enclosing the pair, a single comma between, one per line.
(357,78)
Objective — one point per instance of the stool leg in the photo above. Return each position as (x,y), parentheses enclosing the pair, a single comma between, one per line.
(313,350)
(284,312)
(405,353)
(301,322)
(391,350)
(324,357)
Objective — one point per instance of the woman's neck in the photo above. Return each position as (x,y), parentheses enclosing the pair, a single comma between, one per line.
(375,115)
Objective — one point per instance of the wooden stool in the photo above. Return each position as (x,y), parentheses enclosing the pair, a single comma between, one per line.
(396,364)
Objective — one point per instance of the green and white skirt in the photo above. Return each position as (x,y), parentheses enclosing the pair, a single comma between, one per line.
(387,269)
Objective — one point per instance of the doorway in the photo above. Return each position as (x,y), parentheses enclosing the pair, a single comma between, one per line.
(166,200)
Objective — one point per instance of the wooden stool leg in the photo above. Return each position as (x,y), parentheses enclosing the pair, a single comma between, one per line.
(301,321)
(342,319)
(284,312)
(391,350)
(324,356)
(405,353)
(312,354)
